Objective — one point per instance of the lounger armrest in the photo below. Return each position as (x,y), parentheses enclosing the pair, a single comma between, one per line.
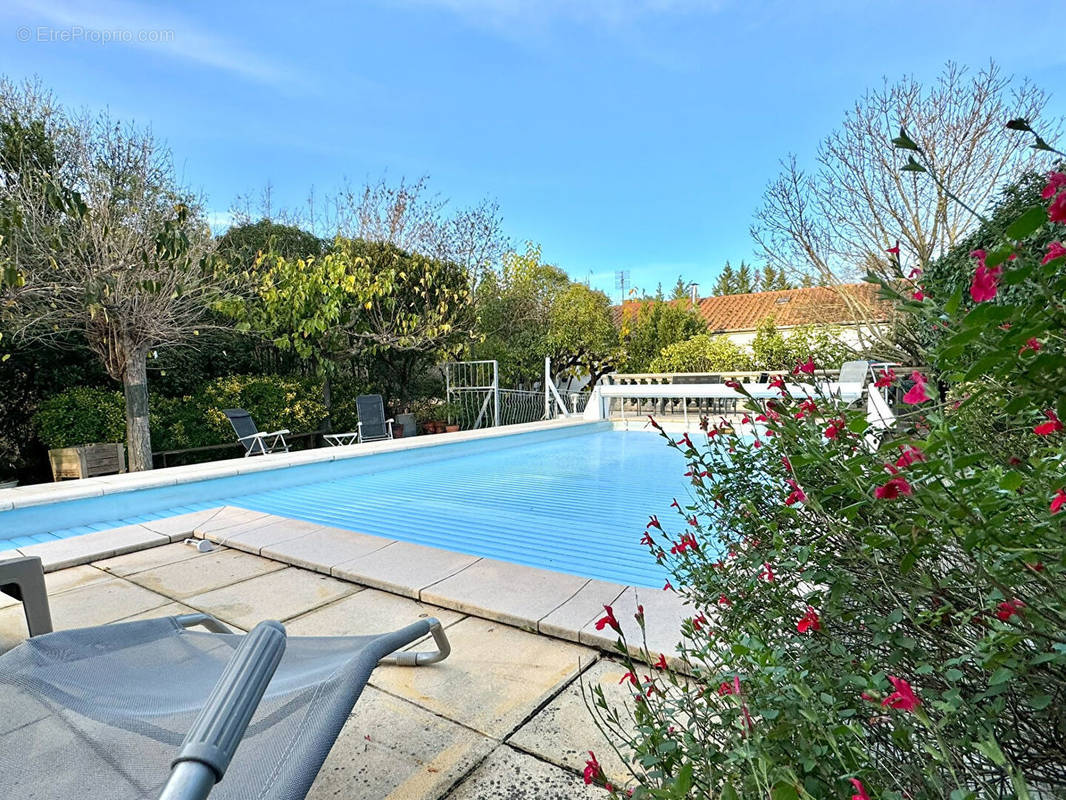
(282,432)
(359,423)
(218,730)
(259,435)
(406,658)
(390,420)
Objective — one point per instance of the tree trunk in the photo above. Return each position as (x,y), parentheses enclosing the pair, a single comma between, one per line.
(327,403)
(135,386)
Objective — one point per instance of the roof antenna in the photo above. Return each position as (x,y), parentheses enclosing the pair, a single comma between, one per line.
(694,292)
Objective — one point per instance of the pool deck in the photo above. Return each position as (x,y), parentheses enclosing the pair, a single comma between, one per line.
(502,718)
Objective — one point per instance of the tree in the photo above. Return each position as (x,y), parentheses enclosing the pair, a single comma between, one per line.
(650,326)
(837,219)
(514,309)
(108,251)
(702,353)
(773,280)
(744,283)
(582,338)
(726,283)
(241,245)
(680,290)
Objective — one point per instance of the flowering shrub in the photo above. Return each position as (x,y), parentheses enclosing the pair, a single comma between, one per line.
(877,613)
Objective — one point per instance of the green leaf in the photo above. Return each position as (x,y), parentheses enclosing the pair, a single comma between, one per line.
(1027,223)
(1001,675)
(1012,481)
(903,141)
(912,166)
(952,305)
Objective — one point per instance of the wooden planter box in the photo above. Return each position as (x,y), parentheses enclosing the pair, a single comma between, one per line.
(87,460)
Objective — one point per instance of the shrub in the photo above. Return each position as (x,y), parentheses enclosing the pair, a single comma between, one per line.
(703,353)
(81,415)
(878,613)
(274,401)
(773,351)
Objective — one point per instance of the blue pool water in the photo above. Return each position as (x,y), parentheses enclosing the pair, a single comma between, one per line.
(577,504)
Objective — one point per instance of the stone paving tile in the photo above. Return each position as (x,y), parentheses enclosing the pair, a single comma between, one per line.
(94,604)
(390,748)
(203,573)
(181,526)
(663,612)
(168,610)
(563,731)
(567,620)
(253,537)
(325,548)
(92,546)
(147,559)
(511,593)
(495,677)
(227,517)
(277,595)
(509,775)
(366,612)
(404,567)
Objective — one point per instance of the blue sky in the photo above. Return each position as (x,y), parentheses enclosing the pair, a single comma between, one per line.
(620,135)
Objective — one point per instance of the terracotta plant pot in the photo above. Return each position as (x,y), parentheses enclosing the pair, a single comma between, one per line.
(451,428)
(397,430)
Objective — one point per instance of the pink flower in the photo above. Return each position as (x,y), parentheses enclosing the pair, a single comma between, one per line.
(911,455)
(1058,501)
(608,619)
(593,770)
(809,621)
(1053,425)
(796,495)
(903,698)
(914,273)
(1056,212)
(1009,608)
(860,790)
(1054,250)
(807,367)
(918,294)
(895,486)
(917,393)
(835,428)
(985,279)
(1055,182)
(1032,343)
(886,378)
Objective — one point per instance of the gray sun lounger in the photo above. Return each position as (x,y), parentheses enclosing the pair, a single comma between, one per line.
(154,709)
(373,426)
(255,443)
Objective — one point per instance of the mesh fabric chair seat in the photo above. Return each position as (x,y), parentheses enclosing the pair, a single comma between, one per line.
(254,441)
(102,712)
(372,424)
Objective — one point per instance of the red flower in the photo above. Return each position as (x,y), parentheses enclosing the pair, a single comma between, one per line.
(903,698)
(896,486)
(647,539)
(608,619)
(1032,343)
(1054,250)
(724,601)
(796,495)
(654,424)
(777,382)
(629,676)
(835,428)
(729,688)
(918,294)
(806,407)
(807,367)
(914,273)
(916,394)
(1055,182)
(911,455)
(734,385)
(767,573)
(661,663)
(1058,501)
(985,283)
(886,378)
(687,542)
(1009,608)
(675,505)
(668,587)
(809,621)
(653,522)
(860,790)
(1053,425)
(686,441)
(786,463)
(639,616)
(593,770)
(698,622)
(893,251)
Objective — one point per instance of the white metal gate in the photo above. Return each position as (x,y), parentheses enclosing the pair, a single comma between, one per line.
(473,390)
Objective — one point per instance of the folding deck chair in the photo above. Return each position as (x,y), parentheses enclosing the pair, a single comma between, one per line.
(373,426)
(154,709)
(255,443)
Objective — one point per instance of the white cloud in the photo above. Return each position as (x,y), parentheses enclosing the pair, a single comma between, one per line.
(168,33)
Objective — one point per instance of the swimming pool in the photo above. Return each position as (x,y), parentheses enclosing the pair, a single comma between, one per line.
(575,504)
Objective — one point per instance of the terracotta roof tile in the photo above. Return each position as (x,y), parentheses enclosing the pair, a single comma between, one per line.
(819,305)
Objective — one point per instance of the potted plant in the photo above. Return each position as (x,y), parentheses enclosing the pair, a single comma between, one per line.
(452,414)
(84,429)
